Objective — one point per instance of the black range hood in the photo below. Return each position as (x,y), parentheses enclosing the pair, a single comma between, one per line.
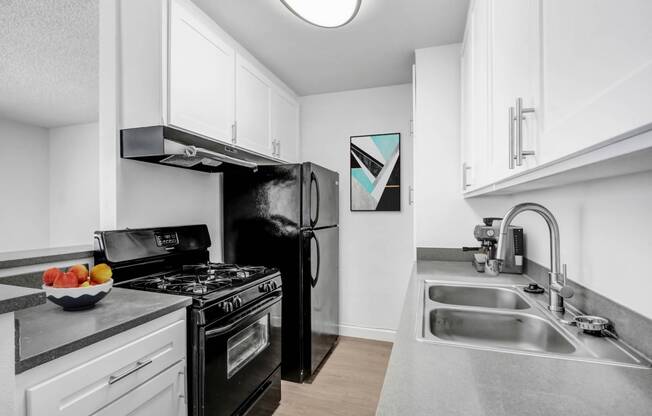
(173,147)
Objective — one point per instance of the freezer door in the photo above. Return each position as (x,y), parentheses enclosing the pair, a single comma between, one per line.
(320,207)
(321,277)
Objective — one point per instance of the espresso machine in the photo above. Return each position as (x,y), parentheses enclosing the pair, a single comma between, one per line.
(487,234)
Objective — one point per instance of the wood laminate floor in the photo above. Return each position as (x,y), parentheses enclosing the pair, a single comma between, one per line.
(348,384)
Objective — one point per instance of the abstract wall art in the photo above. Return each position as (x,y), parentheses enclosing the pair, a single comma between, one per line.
(376,172)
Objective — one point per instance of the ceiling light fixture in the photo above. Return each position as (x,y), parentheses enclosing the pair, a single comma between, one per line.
(324,13)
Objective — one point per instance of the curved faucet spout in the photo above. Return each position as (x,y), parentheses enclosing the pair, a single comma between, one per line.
(501,249)
(557,290)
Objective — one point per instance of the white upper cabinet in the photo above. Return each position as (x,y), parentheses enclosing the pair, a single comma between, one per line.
(285,126)
(596,70)
(514,82)
(179,68)
(202,82)
(252,107)
(580,72)
(475,99)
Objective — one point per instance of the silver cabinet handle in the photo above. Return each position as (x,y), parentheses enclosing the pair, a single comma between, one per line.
(520,112)
(139,365)
(234,133)
(465,169)
(512,150)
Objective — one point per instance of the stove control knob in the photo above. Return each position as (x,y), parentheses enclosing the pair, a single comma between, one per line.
(237,302)
(227,306)
(274,285)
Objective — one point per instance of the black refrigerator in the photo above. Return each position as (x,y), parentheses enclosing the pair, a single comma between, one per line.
(286,216)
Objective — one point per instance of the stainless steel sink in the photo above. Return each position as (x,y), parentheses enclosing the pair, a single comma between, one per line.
(503,330)
(486,297)
(507,319)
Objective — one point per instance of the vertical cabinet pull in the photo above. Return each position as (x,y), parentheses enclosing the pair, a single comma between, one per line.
(465,180)
(512,150)
(520,154)
(278,148)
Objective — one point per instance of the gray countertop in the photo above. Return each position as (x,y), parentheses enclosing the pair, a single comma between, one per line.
(47,332)
(436,379)
(44,255)
(14,298)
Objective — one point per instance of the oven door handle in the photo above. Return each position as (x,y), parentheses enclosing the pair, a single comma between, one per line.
(240,319)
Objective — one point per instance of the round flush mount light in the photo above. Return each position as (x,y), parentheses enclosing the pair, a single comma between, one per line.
(324,13)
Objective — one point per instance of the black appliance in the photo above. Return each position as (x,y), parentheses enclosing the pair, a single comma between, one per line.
(286,216)
(234,323)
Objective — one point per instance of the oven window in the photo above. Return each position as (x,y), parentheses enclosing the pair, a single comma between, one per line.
(246,345)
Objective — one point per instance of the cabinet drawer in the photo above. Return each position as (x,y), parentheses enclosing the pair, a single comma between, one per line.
(163,395)
(88,387)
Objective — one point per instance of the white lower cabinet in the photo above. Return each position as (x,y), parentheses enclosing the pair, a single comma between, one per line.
(140,371)
(163,395)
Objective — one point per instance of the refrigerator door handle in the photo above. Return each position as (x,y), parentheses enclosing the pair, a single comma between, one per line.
(314,279)
(313,179)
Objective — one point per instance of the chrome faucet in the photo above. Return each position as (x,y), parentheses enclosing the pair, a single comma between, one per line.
(557,290)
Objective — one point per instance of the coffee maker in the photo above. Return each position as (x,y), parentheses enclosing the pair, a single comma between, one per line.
(487,234)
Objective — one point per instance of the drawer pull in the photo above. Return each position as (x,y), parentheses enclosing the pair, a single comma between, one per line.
(139,365)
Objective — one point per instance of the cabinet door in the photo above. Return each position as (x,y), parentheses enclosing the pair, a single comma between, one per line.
(285,126)
(252,108)
(163,395)
(201,78)
(514,67)
(596,70)
(465,117)
(90,386)
(475,98)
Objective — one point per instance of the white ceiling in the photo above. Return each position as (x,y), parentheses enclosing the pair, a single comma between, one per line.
(49,61)
(376,49)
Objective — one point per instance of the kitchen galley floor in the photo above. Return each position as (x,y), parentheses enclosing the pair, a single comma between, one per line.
(348,384)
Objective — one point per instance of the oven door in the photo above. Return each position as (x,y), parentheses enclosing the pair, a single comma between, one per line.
(239,355)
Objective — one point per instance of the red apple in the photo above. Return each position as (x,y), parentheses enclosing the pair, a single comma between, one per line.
(66,280)
(50,275)
(80,271)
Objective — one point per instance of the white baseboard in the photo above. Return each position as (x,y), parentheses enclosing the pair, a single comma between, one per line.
(378,334)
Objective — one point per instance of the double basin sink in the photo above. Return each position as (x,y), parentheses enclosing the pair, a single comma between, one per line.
(506,318)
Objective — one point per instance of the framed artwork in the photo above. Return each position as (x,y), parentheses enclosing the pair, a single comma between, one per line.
(376,172)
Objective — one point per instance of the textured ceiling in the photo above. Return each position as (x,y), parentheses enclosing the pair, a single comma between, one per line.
(49,61)
(375,49)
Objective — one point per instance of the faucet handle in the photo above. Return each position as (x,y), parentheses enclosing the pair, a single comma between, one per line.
(565,291)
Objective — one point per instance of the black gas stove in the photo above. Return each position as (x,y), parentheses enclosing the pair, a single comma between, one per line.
(200,279)
(234,342)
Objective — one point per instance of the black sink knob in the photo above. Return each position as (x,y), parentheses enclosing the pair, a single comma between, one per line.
(533,288)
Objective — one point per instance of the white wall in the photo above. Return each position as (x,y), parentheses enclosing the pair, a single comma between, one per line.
(376,248)
(24,188)
(155,196)
(48,185)
(74,179)
(605,225)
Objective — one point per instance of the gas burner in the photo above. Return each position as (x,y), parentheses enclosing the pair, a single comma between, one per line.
(199,279)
